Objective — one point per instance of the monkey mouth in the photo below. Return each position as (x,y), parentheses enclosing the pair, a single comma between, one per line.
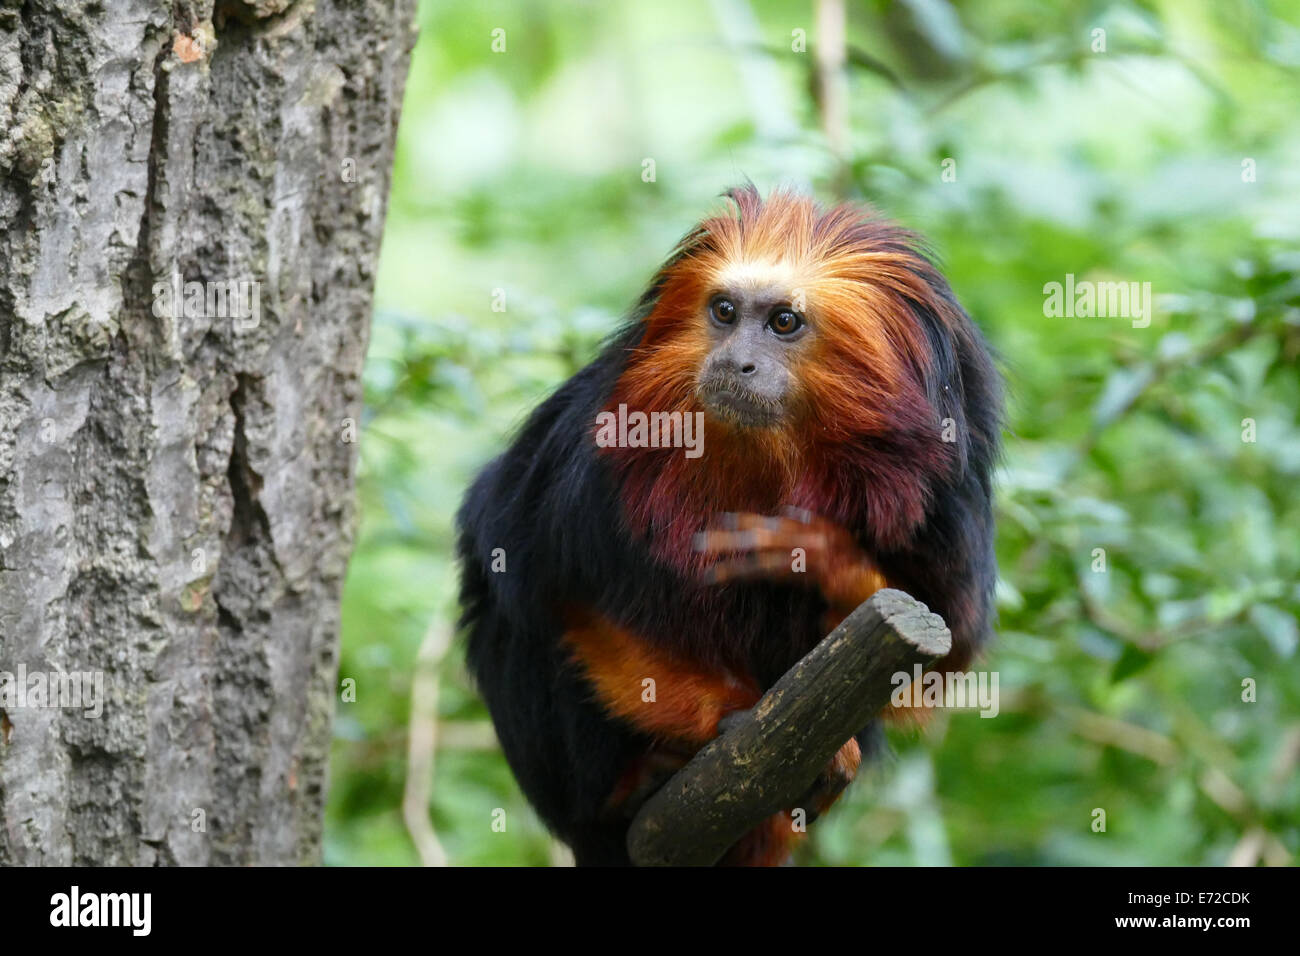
(739,406)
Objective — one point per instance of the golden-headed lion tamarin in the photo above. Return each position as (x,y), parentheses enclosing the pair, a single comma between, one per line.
(796,380)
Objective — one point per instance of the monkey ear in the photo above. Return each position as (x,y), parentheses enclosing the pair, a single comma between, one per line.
(747,200)
(943,379)
(698,240)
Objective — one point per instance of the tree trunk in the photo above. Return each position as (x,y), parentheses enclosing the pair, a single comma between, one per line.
(176,472)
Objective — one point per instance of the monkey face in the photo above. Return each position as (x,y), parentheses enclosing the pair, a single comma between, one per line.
(805,333)
(755,335)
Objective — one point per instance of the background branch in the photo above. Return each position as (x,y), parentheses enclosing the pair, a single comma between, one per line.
(423,742)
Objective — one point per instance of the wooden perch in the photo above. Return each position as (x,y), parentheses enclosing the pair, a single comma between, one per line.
(769,757)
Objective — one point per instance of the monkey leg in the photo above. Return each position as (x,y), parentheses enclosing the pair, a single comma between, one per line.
(641,778)
(683,707)
(671,699)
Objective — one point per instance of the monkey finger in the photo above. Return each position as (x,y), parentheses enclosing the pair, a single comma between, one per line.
(756,564)
(761,538)
(749,521)
(793,528)
(744,521)
(748,540)
(729,521)
(711,542)
(801,515)
(733,718)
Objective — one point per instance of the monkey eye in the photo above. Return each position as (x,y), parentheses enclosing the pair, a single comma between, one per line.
(723,310)
(785,322)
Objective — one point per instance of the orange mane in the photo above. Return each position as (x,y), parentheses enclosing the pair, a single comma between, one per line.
(864,431)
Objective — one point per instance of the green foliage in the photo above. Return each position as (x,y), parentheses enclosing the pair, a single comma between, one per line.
(1120,689)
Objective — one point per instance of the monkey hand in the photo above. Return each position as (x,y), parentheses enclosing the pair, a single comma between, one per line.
(795,546)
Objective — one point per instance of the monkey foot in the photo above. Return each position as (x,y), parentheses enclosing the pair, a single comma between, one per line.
(830,783)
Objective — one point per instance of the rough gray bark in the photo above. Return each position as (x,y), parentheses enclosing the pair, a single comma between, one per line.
(772,753)
(176,490)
